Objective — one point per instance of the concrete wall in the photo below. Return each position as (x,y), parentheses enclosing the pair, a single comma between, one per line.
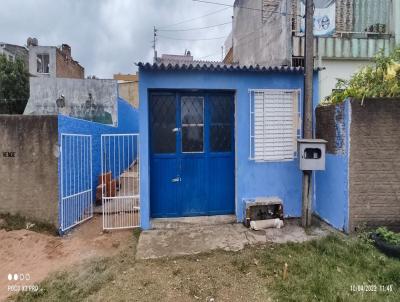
(28,166)
(253,179)
(331,185)
(261,38)
(34,51)
(44,93)
(375,163)
(127,123)
(334,69)
(128,88)
(129,91)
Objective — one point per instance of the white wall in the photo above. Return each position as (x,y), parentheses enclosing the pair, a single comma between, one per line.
(261,41)
(34,51)
(335,69)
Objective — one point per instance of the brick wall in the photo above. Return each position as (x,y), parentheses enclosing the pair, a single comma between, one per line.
(66,67)
(28,166)
(375,163)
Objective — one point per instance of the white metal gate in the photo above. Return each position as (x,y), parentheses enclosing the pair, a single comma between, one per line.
(120,181)
(76,180)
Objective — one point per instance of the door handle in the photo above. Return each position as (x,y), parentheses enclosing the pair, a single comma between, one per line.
(176,179)
(175,130)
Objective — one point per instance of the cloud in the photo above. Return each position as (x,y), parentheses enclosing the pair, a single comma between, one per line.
(109,36)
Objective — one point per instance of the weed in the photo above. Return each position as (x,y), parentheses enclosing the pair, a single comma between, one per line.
(136,232)
(19,222)
(388,236)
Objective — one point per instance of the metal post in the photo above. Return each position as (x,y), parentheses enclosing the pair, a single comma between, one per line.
(308,107)
(154,43)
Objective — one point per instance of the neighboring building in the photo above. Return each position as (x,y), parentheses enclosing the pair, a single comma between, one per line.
(206,148)
(53,62)
(128,88)
(88,99)
(13,52)
(362,29)
(259,34)
(174,59)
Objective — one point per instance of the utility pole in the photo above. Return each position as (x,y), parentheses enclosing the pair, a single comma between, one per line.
(308,108)
(154,43)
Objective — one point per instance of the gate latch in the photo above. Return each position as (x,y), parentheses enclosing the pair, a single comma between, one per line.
(176,179)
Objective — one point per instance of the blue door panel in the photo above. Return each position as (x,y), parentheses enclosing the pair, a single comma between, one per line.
(221,185)
(193,191)
(163,170)
(192,139)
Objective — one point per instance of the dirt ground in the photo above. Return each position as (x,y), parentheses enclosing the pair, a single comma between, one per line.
(214,276)
(36,254)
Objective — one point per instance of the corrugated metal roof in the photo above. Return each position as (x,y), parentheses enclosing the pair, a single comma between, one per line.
(216,66)
(345,48)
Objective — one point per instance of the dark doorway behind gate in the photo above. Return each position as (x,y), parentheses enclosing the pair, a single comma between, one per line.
(192,153)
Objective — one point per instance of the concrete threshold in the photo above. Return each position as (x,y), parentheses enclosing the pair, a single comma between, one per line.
(185,222)
(195,239)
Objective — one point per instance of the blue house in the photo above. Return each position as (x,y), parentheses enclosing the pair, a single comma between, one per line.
(213,136)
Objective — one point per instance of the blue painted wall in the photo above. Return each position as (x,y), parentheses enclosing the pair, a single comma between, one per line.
(332,185)
(127,123)
(282,179)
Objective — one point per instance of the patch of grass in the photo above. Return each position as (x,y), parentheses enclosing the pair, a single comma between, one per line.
(11,222)
(136,233)
(241,264)
(320,270)
(81,281)
(72,286)
(325,270)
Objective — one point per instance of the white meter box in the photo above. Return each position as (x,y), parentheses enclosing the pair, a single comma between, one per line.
(312,154)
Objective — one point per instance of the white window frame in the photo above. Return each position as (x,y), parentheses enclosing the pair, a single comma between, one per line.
(37,66)
(274,154)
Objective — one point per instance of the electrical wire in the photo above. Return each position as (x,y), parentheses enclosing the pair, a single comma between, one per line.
(196,28)
(186,39)
(210,55)
(249,8)
(195,18)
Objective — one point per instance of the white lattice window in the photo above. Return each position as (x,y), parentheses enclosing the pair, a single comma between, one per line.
(274,124)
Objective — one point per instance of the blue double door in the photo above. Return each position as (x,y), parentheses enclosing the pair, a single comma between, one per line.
(192,153)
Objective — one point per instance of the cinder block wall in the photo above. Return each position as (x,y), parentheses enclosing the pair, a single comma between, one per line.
(29,166)
(375,163)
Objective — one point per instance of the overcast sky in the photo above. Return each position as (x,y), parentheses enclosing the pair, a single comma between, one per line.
(109,36)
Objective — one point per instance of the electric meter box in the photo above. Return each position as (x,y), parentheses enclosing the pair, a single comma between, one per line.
(312,154)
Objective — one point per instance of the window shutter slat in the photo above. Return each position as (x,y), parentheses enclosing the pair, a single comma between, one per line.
(274,124)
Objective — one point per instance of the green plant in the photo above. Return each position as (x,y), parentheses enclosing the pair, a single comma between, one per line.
(381,79)
(14,86)
(388,236)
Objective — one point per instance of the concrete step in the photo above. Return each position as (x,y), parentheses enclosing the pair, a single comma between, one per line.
(129,174)
(189,222)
